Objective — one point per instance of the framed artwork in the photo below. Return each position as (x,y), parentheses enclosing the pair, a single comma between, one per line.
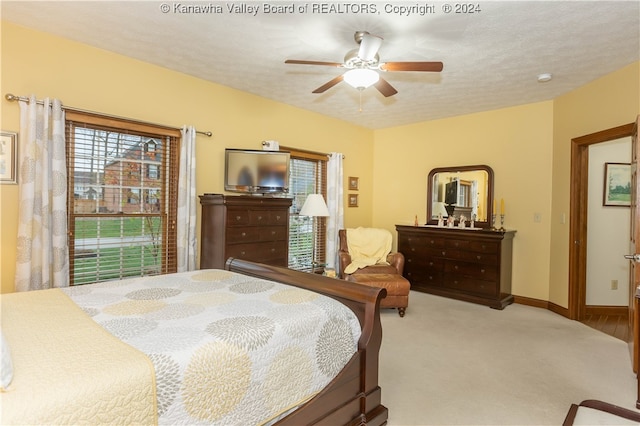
(8,158)
(617,185)
(353,200)
(353,183)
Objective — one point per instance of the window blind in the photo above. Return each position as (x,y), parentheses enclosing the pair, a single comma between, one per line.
(307,235)
(122,181)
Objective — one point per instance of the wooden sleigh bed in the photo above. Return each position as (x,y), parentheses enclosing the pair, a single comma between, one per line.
(349,397)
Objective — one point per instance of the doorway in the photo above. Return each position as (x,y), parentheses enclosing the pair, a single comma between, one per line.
(578,213)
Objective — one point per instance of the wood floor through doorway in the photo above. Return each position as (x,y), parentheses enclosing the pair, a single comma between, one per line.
(613,325)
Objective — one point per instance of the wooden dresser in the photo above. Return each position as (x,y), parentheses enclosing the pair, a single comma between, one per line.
(470,265)
(247,227)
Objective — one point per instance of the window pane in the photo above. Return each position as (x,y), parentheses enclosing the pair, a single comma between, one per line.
(120,203)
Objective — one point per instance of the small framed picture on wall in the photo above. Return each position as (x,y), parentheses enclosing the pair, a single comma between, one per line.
(617,185)
(353,200)
(353,183)
(8,157)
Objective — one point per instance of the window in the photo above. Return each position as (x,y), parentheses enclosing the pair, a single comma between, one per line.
(307,235)
(122,210)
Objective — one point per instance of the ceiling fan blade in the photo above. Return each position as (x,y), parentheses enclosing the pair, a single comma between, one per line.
(369,46)
(329,84)
(412,66)
(385,88)
(299,62)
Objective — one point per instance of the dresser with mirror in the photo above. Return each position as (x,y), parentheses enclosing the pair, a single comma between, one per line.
(465,263)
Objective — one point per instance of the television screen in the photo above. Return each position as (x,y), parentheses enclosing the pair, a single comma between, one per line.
(256,171)
(451,192)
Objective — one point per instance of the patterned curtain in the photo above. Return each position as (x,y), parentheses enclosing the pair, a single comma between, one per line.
(43,253)
(186,232)
(335,195)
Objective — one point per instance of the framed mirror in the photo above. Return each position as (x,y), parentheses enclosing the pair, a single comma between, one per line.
(462,190)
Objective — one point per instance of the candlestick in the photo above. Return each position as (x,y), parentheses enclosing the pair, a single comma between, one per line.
(502,223)
(502,206)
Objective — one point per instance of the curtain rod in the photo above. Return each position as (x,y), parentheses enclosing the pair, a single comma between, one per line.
(12,98)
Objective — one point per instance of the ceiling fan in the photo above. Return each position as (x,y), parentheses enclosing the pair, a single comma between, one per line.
(363,65)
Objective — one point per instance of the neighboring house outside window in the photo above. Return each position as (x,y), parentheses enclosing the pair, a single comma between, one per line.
(122,210)
(307,175)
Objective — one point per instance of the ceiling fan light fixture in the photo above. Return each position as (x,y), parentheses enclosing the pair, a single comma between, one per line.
(361,78)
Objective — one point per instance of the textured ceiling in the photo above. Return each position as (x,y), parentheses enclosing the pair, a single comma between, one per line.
(491,57)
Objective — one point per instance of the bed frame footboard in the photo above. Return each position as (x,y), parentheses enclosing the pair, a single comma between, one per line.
(353,397)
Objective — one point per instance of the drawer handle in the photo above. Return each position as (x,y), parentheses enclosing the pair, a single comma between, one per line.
(273,232)
(455,267)
(259,217)
(430,263)
(479,257)
(244,234)
(242,253)
(482,271)
(455,281)
(431,242)
(412,249)
(409,260)
(278,217)
(238,217)
(444,253)
(273,250)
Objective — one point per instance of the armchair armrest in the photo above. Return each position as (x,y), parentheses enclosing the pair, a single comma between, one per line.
(344,259)
(397,261)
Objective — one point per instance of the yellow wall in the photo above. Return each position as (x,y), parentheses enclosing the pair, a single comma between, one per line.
(527,146)
(515,142)
(610,101)
(94,79)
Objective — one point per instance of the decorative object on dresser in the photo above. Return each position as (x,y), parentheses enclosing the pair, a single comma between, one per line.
(468,264)
(380,268)
(460,190)
(252,228)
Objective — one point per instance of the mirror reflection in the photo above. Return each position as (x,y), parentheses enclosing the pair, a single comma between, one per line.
(460,191)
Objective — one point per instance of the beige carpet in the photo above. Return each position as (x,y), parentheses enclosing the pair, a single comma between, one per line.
(455,363)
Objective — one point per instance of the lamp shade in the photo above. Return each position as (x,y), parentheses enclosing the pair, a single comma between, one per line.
(314,205)
(361,78)
(439,209)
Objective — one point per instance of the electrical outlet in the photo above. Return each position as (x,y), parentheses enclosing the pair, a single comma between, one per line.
(614,284)
(537,217)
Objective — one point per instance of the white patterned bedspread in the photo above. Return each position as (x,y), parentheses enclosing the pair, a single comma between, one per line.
(227,349)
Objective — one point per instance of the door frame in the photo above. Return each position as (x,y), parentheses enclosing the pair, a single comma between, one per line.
(578,214)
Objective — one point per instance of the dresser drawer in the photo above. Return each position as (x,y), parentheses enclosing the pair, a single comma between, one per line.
(423,263)
(470,285)
(483,258)
(245,234)
(266,217)
(258,252)
(273,233)
(418,242)
(237,217)
(475,270)
(489,247)
(457,244)
(423,278)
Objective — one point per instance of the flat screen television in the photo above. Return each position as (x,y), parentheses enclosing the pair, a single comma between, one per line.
(256,172)
(451,193)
